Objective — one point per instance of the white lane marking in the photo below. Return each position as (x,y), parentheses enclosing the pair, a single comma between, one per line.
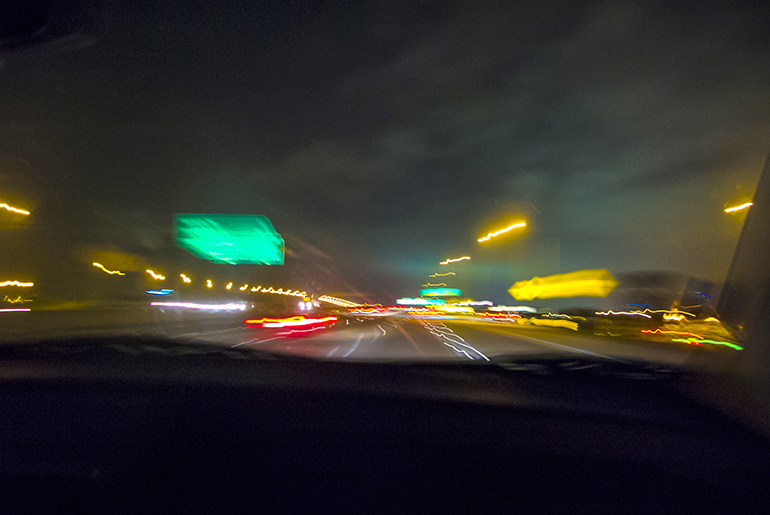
(355,346)
(564,347)
(442,332)
(257,340)
(381,329)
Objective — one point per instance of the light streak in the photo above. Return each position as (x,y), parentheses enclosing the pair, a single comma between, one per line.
(111,272)
(14,310)
(192,305)
(338,302)
(501,231)
(693,341)
(14,209)
(524,309)
(155,276)
(441,275)
(185,278)
(209,284)
(17,283)
(630,313)
(455,309)
(296,321)
(582,283)
(229,285)
(418,302)
(682,333)
(454,260)
(243,288)
(280,291)
(440,292)
(17,300)
(475,303)
(164,291)
(738,208)
(428,285)
(673,317)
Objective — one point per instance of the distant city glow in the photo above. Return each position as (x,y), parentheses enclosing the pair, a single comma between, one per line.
(295,321)
(229,285)
(428,285)
(441,275)
(454,260)
(155,276)
(440,292)
(164,291)
(17,283)
(209,284)
(14,209)
(111,272)
(582,283)
(501,231)
(738,208)
(338,302)
(185,278)
(14,310)
(232,306)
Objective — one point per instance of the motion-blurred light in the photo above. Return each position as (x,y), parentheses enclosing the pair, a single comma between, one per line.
(231,239)
(582,283)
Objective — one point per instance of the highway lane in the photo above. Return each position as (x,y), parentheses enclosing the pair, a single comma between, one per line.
(380,339)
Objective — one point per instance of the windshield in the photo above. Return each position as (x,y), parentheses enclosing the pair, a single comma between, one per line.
(385,180)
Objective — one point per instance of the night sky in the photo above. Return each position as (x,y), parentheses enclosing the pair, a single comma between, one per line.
(383,137)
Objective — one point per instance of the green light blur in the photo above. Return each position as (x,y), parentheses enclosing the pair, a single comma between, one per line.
(713,342)
(230,239)
(440,292)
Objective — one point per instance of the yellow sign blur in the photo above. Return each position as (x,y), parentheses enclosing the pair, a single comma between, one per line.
(582,283)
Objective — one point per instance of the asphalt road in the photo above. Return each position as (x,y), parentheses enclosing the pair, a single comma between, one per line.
(350,338)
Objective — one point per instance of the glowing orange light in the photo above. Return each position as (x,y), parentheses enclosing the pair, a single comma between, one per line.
(229,285)
(243,288)
(442,275)
(111,272)
(155,276)
(17,283)
(738,208)
(281,291)
(209,284)
(661,331)
(454,260)
(14,209)
(501,231)
(296,321)
(185,278)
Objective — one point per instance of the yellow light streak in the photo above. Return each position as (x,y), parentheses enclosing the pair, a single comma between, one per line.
(582,283)
(229,285)
(111,272)
(338,302)
(501,231)
(209,284)
(738,208)
(630,313)
(243,288)
(441,275)
(454,260)
(156,276)
(14,209)
(428,285)
(185,278)
(17,283)
(17,300)
(280,291)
